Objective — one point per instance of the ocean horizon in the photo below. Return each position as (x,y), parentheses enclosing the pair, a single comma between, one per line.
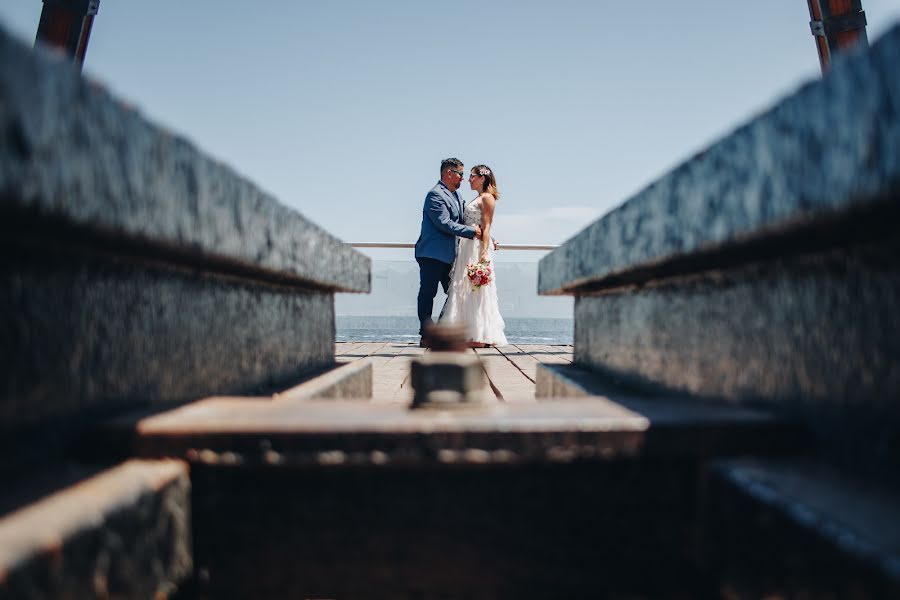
(519,330)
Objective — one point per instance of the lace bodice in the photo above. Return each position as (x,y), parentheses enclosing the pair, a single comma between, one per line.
(472,213)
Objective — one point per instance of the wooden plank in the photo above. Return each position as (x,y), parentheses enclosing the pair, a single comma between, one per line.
(561,351)
(523,361)
(544,354)
(404,393)
(511,369)
(362,350)
(508,382)
(341,348)
(391,368)
(492,394)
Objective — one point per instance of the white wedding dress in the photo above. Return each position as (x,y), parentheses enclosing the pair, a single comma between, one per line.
(478,309)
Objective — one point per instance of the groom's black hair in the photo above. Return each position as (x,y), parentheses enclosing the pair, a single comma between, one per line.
(450,162)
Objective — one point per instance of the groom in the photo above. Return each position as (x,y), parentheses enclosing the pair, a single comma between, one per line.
(442,218)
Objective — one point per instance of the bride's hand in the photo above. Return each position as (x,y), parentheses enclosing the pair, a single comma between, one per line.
(484,259)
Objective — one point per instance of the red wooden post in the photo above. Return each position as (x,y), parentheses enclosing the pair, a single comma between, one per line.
(66,24)
(837,26)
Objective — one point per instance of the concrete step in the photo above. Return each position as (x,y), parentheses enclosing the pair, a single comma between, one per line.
(800,528)
(122,532)
(114,437)
(342,432)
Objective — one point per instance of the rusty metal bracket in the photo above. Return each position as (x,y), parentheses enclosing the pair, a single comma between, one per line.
(838,24)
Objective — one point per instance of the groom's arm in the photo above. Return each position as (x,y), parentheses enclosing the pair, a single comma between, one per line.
(439,215)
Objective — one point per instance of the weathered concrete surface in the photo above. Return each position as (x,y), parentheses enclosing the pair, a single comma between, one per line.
(816,336)
(90,336)
(73,154)
(349,433)
(832,147)
(340,434)
(125,533)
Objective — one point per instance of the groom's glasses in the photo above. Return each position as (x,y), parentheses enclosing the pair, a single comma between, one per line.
(460,173)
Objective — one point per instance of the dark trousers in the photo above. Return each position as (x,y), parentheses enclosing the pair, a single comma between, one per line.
(431,272)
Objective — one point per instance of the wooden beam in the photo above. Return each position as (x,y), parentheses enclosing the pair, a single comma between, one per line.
(66,25)
(837,25)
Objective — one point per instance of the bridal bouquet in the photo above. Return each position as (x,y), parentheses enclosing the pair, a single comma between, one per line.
(479,274)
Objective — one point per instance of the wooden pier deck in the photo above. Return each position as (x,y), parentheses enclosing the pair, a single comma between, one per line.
(510,369)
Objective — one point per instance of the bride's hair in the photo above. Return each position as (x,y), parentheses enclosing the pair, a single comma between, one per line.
(490,183)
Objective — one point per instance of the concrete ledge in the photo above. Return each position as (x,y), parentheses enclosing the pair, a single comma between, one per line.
(831,149)
(124,534)
(76,158)
(802,529)
(814,337)
(678,424)
(344,381)
(91,336)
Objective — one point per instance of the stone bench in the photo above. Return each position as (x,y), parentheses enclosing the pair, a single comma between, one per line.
(137,274)
(763,270)
(764,273)
(139,271)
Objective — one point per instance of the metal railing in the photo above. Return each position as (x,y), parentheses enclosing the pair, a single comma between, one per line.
(499,246)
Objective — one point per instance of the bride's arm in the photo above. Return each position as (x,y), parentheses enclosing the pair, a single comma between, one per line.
(487,217)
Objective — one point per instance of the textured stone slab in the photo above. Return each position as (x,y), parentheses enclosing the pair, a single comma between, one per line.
(75,156)
(830,149)
(83,338)
(124,533)
(802,529)
(816,337)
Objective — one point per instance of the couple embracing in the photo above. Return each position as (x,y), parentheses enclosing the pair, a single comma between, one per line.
(454,250)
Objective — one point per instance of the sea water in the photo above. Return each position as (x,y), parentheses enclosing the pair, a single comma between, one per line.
(406,329)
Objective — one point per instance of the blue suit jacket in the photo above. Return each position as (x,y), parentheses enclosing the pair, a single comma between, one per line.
(442,218)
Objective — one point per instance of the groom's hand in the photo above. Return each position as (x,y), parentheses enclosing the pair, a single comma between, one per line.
(477,232)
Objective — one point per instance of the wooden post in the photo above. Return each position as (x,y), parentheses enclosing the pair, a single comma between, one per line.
(66,24)
(837,26)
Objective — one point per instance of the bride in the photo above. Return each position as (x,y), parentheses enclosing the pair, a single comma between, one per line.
(477,307)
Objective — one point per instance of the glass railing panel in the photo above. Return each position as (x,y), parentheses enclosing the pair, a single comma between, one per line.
(388,313)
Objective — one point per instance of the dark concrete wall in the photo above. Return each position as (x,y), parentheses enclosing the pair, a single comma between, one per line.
(97,334)
(814,336)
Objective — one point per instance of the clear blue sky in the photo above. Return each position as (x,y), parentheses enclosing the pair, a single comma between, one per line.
(344,109)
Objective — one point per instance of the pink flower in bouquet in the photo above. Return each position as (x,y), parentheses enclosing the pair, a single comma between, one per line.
(479,274)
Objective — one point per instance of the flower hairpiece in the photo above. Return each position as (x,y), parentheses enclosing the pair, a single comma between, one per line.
(484,171)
